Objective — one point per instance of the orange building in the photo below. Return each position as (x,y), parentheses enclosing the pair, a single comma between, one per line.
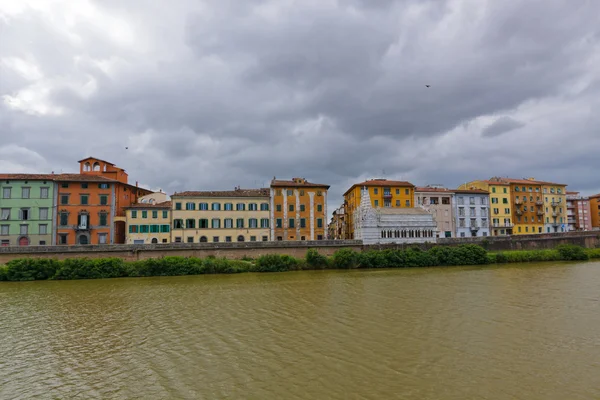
(595,211)
(298,210)
(528,205)
(91,205)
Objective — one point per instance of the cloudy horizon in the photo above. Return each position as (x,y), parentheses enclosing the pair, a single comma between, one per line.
(209,95)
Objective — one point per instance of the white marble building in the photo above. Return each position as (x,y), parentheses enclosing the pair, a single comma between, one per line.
(392,225)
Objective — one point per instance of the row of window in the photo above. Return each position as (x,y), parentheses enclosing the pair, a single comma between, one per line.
(144,214)
(292,223)
(504,200)
(418,233)
(388,192)
(217,206)
(25,214)
(164,228)
(25,192)
(434,200)
(215,223)
(23,229)
(473,223)
(83,219)
(292,207)
(472,211)
(388,203)
(482,200)
(217,239)
(84,199)
(506,211)
(290,192)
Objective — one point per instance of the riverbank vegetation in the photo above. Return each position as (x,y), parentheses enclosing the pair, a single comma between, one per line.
(29,269)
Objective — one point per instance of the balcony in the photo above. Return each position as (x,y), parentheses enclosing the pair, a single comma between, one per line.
(503,225)
(555,203)
(554,214)
(517,201)
(556,224)
(474,227)
(539,203)
(82,228)
(387,195)
(519,212)
(540,212)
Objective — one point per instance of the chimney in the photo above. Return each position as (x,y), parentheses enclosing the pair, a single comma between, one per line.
(136,183)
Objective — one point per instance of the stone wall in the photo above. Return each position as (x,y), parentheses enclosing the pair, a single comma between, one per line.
(296,249)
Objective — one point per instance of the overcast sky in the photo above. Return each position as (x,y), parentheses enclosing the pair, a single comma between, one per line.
(213,94)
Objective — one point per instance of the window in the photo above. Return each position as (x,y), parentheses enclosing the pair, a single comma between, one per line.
(253,223)
(178,206)
(134,214)
(190,206)
(239,223)
(103,219)
(278,223)
(154,214)
(279,238)
(252,207)
(215,239)
(228,206)
(64,199)
(144,229)
(64,218)
(103,185)
(6,193)
(376,191)
(240,207)
(63,238)
(215,223)
(177,239)
(264,222)
(507,211)
(319,222)
(228,223)
(203,206)
(291,207)
(278,192)
(83,199)
(319,193)
(278,207)
(177,224)
(43,229)
(302,208)
(42,242)
(190,239)
(376,203)
(265,238)
(25,192)
(406,191)
(5,214)
(190,223)
(397,203)
(319,208)
(165,228)
(165,214)
(64,185)
(505,201)
(102,238)
(43,214)
(290,192)
(407,203)
(24,214)
(84,185)
(215,206)
(493,190)
(302,222)
(240,238)
(292,223)
(264,207)
(24,229)
(203,223)
(4,229)
(253,238)
(228,238)
(103,199)
(144,214)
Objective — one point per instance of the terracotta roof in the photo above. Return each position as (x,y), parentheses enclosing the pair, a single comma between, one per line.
(596,196)
(473,191)
(573,193)
(499,183)
(263,192)
(298,183)
(164,204)
(380,183)
(30,177)
(527,182)
(83,178)
(97,159)
(430,189)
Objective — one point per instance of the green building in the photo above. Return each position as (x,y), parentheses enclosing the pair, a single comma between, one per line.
(27,210)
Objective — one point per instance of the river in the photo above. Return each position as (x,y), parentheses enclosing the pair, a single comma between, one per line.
(513,332)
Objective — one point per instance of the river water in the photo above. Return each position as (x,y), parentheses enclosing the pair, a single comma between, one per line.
(513,332)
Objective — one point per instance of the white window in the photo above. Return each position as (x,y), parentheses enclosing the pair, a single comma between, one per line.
(25,192)
(102,238)
(43,214)
(6,193)
(24,229)
(5,214)
(228,223)
(4,229)
(43,229)
(44,193)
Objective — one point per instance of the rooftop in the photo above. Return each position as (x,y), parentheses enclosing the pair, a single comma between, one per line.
(164,204)
(96,159)
(297,182)
(263,192)
(433,189)
(471,191)
(30,177)
(522,181)
(380,182)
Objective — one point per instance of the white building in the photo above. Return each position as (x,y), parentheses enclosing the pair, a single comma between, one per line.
(392,225)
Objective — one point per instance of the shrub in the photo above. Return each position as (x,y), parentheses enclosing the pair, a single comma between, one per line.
(275,263)
(372,259)
(571,253)
(30,269)
(315,260)
(593,253)
(3,276)
(345,258)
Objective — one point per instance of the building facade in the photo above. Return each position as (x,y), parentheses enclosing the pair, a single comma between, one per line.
(438,201)
(500,204)
(298,210)
(337,226)
(472,212)
(154,198)
(383,225)
(555,207)
(27,209)
(383,193)
(240,215)
(578,212)
(527,205)
(148,223)
(595,211)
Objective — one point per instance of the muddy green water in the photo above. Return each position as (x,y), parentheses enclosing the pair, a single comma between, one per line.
(515,332)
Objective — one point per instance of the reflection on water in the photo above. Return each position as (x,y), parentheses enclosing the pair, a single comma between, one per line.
(516,332)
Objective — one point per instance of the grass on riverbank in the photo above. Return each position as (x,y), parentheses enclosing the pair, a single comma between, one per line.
(29,269)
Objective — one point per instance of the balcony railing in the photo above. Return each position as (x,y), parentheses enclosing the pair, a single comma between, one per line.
(540,213)
(539,203)
(387,195)
(474,227)
(519,212)
(555,203)
(503,225)
(517,201)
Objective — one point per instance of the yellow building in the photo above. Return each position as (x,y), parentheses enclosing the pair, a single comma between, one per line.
(500,204)
(527,204)
(148,223)
(383,193)
(299,210)
(240,215)
(555,207)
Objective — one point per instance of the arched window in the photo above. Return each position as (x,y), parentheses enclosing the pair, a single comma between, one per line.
(382,234)
(240,238)
(83,239)
(203,239)
(154,240)
(96,166)
(87,166)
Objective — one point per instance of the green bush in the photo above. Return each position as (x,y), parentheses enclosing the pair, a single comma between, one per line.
(345,258)
(3,271)
(571,253)
(593,253)
(315,260)
(275,263)
(372,259)
(30,269)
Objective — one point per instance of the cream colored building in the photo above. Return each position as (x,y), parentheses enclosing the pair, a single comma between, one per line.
(240,215)
(148,223)
(555,207)
(438,202)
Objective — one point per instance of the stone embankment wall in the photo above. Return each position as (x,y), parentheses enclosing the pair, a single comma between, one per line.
(296,249)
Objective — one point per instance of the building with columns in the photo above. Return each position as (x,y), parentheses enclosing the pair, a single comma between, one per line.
(298,210)
(381,225)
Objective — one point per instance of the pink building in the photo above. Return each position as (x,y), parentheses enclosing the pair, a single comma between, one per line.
(578,212)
